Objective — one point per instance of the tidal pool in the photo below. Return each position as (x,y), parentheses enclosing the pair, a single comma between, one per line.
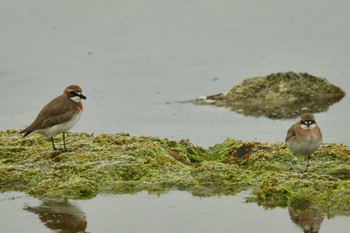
(172,212)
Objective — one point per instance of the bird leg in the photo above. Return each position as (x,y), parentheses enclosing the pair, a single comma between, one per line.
(64,141)
(53,144)
(307,163)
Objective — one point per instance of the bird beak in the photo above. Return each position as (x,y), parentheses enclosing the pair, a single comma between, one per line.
(82,96)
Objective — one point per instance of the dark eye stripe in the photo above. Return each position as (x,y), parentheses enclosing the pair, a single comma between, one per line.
(308,122)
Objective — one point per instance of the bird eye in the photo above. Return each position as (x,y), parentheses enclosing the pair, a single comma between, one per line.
(310,122)
(76,93)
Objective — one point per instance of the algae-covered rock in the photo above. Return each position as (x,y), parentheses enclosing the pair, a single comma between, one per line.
(279,95)
(120,163)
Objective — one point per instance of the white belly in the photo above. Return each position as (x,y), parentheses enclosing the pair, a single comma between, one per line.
(306,148)
(60,128)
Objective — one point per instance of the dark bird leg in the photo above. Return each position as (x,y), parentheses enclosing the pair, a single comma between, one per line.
(64,141)
(307,163)
(53,144)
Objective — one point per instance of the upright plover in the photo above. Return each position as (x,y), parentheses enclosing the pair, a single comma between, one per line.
(304,137)
(59,115)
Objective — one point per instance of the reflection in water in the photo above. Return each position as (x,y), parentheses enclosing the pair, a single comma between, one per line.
(309,219)
(277,109)
(60,217)
(281,109)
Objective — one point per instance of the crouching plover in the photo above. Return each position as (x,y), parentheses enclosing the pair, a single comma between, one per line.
(59,115)
(304,137)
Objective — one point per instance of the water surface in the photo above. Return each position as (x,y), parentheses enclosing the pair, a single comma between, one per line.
(132,58)
(171,212)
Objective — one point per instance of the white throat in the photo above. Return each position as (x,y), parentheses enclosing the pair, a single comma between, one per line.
(76,99)
(312,126)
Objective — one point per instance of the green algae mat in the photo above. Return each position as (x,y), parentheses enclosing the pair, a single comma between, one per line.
(120,163)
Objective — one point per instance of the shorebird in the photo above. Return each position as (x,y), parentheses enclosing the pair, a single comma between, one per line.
(304,137)
(59,115)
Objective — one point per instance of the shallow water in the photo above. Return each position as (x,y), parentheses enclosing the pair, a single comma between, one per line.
(136,59)
(171,212)
(132,59)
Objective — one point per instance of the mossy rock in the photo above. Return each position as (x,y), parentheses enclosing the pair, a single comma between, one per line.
(278,95)
(120,163)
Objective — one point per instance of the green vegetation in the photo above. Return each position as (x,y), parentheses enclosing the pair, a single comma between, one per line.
(121,163)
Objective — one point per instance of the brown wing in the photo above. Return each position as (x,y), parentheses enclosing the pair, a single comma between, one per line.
(57,111)
(291,132)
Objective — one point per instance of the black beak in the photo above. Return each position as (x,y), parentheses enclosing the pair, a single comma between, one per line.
(82,96)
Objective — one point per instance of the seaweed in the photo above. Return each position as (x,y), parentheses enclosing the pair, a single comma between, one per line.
(121,163)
